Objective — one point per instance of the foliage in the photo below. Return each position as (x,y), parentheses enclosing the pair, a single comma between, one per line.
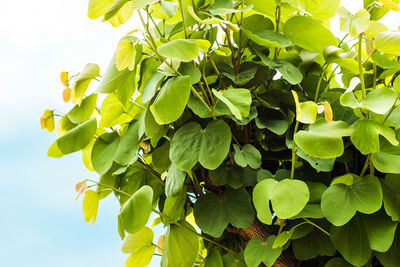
(254,133)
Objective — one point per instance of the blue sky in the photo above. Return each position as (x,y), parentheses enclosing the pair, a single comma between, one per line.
(41,223)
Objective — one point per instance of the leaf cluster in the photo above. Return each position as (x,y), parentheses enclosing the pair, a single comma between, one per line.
(248,127)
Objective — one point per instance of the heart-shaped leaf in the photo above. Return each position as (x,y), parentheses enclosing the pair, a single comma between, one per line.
(323,139)
(140,246)
(288,197)
(214,213)
(257,252)
(248,155)
(191,144)
(340,201)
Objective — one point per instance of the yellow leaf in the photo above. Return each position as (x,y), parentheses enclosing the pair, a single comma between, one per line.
(125,56)
(47,120)
(223,51)
(67,94)
(296,101)
(328,112)
(141,247)
(90,204)
(156,221)
(203,44)
(64,78)
(390,4)
(160,244)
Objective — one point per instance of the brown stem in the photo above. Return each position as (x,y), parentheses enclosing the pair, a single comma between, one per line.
(257,229)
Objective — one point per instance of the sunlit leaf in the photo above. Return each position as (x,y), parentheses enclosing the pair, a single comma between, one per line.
(90,204)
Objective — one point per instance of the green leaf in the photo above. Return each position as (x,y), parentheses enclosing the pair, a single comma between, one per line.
(275,120)
(174,181)
(383,160)
(160,158)
(338,262)
(352,242)
(140,246)
(213,213)
(320,165)
(242,77)
(128,146)
(380,230)
(288,197)
(353,24)
(191,70)
(234,261)
(89,72)
(180,49)
(77,138)
(308,34)
(121,15)
(83,112)
(283,238)
(209,146)
(106,181)
(365,136)
(391,196)
(152,129)
(340,202)
(214,259)
(312,245)
(113,10)
(138,4)
(388,42)
(268,38)
(390,258)
(181,246)
(289,72)
(233,176)
(379,100)
(103,152)
(174,207)
(257,252)
(171,100)
(97,8)
(308,112)
(115,80)
(323,140)
(125,56)
(136,211)
(322,9)
(384,60)
(248,155)
(237,100)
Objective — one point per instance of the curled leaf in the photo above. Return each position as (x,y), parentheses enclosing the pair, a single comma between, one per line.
(47,120)
(67,94)
(64,78)
(81,188)
(160,243)
(296,101)
(328,111)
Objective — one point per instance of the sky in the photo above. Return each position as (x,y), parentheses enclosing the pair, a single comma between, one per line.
(41,223)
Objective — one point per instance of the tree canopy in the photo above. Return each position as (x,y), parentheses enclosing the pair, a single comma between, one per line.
(254,133)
